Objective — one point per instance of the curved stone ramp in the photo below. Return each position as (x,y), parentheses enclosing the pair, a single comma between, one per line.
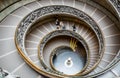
(7,39)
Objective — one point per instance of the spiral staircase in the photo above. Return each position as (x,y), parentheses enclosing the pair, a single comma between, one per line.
(30,40)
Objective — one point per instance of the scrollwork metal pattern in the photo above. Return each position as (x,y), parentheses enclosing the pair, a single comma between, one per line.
(57,9)
(60,33)
(116,3)
(35,15)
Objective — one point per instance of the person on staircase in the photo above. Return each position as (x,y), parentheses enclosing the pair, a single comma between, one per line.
(62,25)
(74,28)
(57,22)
